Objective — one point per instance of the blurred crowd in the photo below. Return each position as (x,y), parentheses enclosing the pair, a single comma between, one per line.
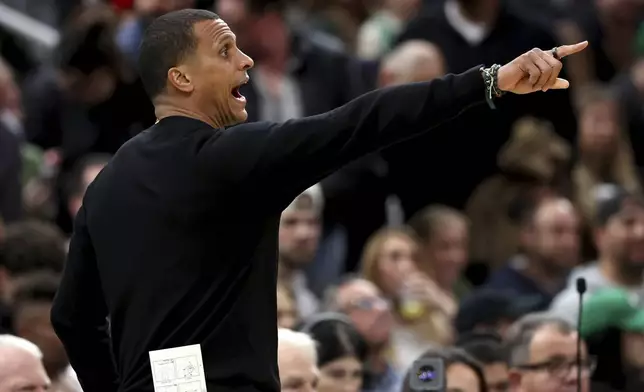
(464,244)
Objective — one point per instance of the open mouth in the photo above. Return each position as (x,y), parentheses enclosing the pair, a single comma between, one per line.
(235,92)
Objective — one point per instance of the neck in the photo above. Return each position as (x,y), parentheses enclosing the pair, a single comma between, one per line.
(597,164)
(618,274)
(377,361)
(550,280)
(284,272)
(163,109)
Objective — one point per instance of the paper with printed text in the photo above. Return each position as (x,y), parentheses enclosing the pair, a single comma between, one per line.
(178,369)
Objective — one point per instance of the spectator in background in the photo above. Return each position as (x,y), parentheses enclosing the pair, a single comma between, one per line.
(341,352)
(542,352)
(32,300)
(21,367)
(301,72)
(462,372)
(70,109)
(605,153)
(299,236)
(296,360)
(29,246)
(530,164)
(371,314)
(611,27)
(412,61)
(443,234)
(338,18)
(550,244)
(613,327)
(487,348)
(133,24)
(470,33)
(629,89)
(361,192)
(297,72)
(10,145)
(389,261)
(287,316)
(378,34)
(619,237)
(85,171)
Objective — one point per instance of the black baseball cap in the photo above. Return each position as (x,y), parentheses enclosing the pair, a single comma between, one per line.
(611,200)
(488,307)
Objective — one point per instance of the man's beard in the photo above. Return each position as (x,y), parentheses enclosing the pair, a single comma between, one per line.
(294,262)
(631,268)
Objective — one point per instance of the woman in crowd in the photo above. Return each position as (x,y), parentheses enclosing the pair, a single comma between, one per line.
(604,151)
(462,372)
(389,261)
(341,352)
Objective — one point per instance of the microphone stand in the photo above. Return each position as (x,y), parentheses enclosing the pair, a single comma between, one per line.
(581,289)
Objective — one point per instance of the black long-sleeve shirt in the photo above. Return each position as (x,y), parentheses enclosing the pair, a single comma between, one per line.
(177,237)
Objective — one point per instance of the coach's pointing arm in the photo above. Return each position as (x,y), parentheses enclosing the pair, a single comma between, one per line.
(79,315)
(291,156)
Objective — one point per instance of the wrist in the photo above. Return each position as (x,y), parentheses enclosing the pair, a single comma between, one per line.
(492,89)
(502,79)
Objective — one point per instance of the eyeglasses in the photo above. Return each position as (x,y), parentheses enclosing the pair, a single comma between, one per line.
(369,303)
(562,368)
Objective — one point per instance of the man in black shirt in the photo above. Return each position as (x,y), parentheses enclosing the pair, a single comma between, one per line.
(176,241)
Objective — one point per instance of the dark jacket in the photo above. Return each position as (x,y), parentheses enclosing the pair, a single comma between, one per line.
(177,238)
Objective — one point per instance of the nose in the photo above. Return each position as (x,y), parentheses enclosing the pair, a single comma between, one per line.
(406,266)
(246,62)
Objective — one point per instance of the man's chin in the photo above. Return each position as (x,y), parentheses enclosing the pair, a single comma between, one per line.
(241,116)
(237,117)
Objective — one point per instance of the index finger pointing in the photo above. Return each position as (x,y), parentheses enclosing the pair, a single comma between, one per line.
(567,50)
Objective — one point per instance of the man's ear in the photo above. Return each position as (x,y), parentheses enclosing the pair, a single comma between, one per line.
(514,377)
(180,79)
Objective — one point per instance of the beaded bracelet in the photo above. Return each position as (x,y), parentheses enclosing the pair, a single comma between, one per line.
(490,77)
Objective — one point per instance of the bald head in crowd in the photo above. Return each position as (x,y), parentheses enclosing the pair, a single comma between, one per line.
(551,234)
(21,367)
(412,61)
(297,361)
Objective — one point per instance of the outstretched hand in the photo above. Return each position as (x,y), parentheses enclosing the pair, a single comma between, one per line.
(536,70)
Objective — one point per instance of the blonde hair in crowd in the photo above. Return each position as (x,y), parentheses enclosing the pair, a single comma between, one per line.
(373,248)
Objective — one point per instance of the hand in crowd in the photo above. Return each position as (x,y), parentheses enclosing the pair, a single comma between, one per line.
(536,70)
(422,287)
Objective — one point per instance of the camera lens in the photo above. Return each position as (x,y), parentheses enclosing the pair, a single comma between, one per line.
(426,373)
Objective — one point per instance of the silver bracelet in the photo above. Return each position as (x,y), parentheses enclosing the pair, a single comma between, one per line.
(490,77)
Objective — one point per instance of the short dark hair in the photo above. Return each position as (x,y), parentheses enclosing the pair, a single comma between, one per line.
(36,287)
(520,334)
(450,356)
(335,336)
(425,222)
(166,42)
(485,347)
(31,246)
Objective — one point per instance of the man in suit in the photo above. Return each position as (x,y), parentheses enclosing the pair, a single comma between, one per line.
(176,241)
